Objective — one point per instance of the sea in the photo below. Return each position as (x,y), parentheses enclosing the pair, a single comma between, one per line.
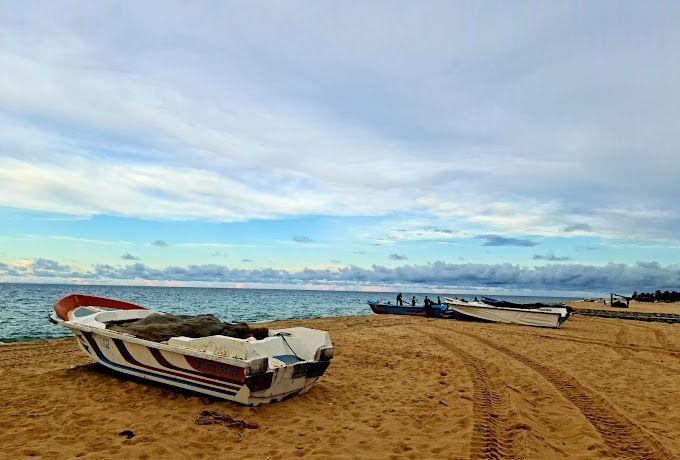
(25,307)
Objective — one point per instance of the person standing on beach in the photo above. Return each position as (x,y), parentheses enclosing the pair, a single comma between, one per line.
(413,301)
(399,300)
(429,311)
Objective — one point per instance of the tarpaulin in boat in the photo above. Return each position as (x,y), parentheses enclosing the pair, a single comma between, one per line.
(159,328)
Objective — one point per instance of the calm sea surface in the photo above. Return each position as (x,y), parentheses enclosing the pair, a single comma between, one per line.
(24,307)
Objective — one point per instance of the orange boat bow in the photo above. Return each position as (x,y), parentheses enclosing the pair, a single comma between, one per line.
(72,301)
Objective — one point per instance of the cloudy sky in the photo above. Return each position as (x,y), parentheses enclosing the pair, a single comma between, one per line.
(519,147)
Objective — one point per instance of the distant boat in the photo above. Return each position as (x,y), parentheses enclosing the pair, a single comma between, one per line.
(534,315)
(381,308)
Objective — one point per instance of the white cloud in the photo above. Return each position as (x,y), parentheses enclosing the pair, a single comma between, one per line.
(215,245)
(497,240)
(89,240)
(550,257)
(457,115)
(578,227)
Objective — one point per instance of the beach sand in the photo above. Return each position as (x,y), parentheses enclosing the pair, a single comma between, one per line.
(398,387)
(634,306)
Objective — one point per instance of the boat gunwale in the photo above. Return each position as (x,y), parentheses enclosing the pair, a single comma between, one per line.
(162,346)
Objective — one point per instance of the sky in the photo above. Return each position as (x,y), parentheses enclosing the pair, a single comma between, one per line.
(523,147)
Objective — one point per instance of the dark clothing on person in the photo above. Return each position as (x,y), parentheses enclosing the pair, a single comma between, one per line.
(399,300)
(439,301)
(429,311)
(413,301)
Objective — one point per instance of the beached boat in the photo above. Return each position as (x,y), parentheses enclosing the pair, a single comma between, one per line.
(545,316)
(525,306)
(382,308)
(284,363)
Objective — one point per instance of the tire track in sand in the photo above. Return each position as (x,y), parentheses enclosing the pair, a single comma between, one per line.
(623,436)
(601,343)
(494,429)
(623,349)
(662,339)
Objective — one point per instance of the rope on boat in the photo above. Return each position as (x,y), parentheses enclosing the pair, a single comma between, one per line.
(291,348)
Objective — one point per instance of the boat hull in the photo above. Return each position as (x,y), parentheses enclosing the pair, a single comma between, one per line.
(206,376)
(388,309)
(538,317)
(241,370)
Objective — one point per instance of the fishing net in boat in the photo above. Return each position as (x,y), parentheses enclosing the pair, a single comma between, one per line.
(159,328)
(526,306)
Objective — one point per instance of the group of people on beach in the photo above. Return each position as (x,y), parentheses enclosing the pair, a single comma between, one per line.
(414,301)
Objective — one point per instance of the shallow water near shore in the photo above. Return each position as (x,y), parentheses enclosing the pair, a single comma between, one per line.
(25,306)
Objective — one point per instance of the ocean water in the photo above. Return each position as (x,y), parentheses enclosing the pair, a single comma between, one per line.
(25,307)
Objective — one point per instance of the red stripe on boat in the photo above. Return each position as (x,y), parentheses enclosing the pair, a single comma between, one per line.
(125,353)
(222,370)
(164,362)
(73,301)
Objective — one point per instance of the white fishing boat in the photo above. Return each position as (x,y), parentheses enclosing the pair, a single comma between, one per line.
(286,362)
(546,316)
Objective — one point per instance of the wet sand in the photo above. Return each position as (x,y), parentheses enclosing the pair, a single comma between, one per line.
(398,387)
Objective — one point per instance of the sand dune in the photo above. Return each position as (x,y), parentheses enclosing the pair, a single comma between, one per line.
(398,387)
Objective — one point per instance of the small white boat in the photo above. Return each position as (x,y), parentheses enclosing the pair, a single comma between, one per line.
(249,371)
(542,317)
(593,299)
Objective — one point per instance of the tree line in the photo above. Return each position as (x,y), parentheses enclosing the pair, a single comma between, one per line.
(658,296)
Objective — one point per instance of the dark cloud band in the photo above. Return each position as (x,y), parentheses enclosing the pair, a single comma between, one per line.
(558,276)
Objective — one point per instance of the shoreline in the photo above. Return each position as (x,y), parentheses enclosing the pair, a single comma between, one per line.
(351,289)
(398,386)
(672,308)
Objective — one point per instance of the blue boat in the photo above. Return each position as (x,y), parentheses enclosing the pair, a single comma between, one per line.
(382,308)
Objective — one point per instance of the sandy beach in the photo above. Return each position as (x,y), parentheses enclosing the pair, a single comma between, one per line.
(634,306)
(398,387)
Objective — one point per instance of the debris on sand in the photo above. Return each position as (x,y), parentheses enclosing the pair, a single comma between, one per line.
(209,417)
